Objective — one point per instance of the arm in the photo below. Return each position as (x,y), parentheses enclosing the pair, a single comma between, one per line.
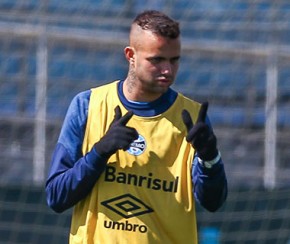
(210,184)
(208,175)
(72,175)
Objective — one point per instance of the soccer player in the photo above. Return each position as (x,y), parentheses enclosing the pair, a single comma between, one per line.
(134,155)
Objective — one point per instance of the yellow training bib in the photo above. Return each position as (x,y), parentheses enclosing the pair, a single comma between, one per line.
(145,195)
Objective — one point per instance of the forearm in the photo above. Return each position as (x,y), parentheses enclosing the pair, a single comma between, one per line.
(210,185)
(69,182)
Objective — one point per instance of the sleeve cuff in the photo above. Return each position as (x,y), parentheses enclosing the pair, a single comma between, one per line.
(209,164)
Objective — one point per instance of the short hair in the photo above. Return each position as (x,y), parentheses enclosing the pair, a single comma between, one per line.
(158,23)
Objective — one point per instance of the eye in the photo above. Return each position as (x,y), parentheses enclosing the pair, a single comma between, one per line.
(156,60)
(174,60)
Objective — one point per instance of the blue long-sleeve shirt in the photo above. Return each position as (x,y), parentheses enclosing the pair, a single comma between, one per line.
(73,175)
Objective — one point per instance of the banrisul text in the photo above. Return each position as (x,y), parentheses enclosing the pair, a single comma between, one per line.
(148,181)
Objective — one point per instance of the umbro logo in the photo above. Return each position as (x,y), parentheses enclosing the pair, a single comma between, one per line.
(127,206)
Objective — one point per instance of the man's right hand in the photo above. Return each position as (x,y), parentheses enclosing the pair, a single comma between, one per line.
(119,136)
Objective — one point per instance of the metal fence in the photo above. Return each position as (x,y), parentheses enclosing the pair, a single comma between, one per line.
(235,54)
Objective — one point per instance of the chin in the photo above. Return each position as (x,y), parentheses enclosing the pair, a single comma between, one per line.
(162,89)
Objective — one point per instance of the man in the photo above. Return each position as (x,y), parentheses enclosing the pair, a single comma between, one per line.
(133,155)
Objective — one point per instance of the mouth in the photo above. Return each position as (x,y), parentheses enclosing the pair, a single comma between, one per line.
(164,81)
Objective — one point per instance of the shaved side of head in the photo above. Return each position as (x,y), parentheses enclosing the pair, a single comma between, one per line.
(155,22)
(135,38)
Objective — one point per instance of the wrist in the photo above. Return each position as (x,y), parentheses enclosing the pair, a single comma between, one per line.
(102,150)
(209,163)
(208,153)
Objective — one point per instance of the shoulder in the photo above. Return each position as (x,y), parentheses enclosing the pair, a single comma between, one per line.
(79,105)
(74,124)
(188,100)
(77,112)
(193,107)
(106,87)
(82,99)
(187,103)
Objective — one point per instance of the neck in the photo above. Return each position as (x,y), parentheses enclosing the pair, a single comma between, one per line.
(133,92)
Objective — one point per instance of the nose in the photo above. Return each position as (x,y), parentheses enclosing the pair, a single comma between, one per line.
(166,68)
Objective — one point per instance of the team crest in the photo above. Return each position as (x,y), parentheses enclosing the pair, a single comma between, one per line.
(138,146)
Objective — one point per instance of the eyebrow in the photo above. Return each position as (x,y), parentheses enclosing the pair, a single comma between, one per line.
(161,57)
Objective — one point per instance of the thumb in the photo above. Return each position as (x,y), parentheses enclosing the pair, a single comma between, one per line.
(187,120)
(124,120)
(118,114)
(202,112)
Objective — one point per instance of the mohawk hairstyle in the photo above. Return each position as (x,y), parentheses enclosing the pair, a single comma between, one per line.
(158,23)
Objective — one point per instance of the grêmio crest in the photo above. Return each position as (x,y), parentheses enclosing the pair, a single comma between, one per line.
(138,146)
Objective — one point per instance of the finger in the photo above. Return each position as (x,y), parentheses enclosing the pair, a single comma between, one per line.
(127,138)
(202,112)
(124,120)
(196,132)
(187,120)
(118,114)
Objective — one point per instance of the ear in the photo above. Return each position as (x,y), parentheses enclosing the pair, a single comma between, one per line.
(129,54)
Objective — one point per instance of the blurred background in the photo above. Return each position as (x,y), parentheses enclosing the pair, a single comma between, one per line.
(236,55)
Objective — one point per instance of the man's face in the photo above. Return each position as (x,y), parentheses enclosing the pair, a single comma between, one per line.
(156,61)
